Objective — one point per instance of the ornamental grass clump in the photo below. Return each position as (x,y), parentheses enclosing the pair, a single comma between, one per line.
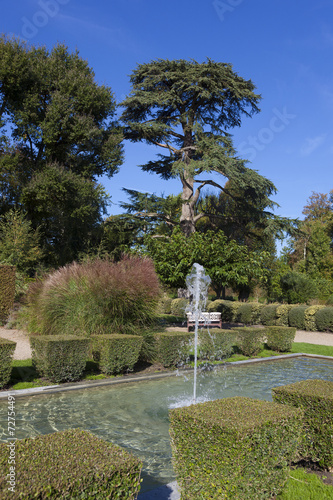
(94,297)
(233,448)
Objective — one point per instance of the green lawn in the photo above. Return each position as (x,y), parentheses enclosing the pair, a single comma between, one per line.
(304,486)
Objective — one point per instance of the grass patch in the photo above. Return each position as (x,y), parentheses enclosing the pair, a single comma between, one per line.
(305,486)
(322,350)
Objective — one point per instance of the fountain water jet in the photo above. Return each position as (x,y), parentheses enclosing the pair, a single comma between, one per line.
(197,284)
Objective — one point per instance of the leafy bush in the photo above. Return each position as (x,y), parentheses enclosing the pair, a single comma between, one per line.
(316,399)
(178,307)
(280,338)
(59,358)
(227,308)
(268,315)
(70,464)
(297,288)
(297,317)
(7,348)
(215,344)
(235,448)
(173,348)
(249,314)
(250,340)
(282,314)
(94,297)
(116,353)
(164,305)
(324,319)
(7,290)
(310,318)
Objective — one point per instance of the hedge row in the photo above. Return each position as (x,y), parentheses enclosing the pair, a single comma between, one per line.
(7,290)
(70,464)
(7,348)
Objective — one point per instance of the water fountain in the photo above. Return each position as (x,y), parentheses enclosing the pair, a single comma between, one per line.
(197,284)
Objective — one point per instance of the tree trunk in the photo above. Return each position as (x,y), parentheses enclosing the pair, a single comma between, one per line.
(187,216)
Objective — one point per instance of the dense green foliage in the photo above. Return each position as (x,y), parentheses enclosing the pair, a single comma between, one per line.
(268,315)
(71,464)
(297,288)
(215,344)
(297,317)
(56,138)
(173,348)
(178,307)
(7,348)
(315,397)
(250,340)
(59,358)
(324,319)
(7,290)
(280,338)
(94,297)
(116,353)
(237,448)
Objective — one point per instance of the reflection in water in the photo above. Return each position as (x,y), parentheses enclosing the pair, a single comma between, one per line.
(135,415)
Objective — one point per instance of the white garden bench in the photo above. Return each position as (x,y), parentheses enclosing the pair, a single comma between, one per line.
(205,319)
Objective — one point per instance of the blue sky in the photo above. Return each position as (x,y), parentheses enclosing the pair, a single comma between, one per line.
(284,47)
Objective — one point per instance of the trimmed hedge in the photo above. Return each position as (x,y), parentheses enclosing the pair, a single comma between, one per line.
(59,358)
(178,307)
(315,397)
(249,313)
(7,348)
(280,338)
(250,340)
(235,448)
(227,308)
(115,353)
(173,348)
(282,314)
(216,344)
(164,305)
(297,317)
(324,319)
(7,290)
(310,319)
(268,315)
(72,464)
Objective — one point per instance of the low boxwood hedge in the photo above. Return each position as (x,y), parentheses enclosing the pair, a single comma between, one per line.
(7,348)
(227,308)
(315,397)
(115,353)
(249,340)
(268,315)
(60,358)
(297,317)
(72,464)
(216,344)
(249,313)
(310,318)
(173,348)
(235,448)
(282,314)
(324,319)
(280,338)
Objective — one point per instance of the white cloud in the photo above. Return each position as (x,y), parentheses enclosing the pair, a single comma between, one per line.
(311,144)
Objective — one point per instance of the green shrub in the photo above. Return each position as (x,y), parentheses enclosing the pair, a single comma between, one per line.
(71,464)
(324,319)
(164,305)
(235,448)
(280,338)
(116,353)
(178,307)
(216,344)
(310,319)
(227,308)
(249,313)
(268,315)
(7,348)
(173,348)
(297,317)
(7,290)
(60,358)
(315,397)
(250,340)
(94,297)
(297,288)
(282,314)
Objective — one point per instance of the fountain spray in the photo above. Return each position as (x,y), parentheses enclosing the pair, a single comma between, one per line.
(197,284)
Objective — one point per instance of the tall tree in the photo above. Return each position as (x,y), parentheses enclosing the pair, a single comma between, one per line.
(55,122)
(186,108)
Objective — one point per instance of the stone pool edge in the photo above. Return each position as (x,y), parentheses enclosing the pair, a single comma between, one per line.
(50,389)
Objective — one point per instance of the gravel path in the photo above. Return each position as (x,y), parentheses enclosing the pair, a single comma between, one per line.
(23,351)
